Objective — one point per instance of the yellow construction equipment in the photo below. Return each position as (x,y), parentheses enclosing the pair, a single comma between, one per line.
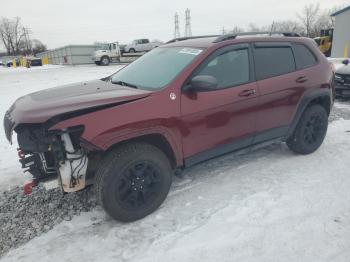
(45,60)
(346,51)
(325,41)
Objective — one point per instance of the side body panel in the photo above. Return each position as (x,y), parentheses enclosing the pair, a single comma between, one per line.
(216,118)
(282,97)
(195,124)
(105,128)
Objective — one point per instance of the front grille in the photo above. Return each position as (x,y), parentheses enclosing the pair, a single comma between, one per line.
(342,81)
(8,125)
(346,79)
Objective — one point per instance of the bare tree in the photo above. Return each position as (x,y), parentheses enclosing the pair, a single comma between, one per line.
(236,30)
(6,34)
(288,26)
(38,46)
(309,18)
(255,28)
(326,19)
(12,34)
(18,34)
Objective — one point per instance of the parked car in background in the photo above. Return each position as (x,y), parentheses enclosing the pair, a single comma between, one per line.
(342,80)
(141,45)
(9,63)
(176,106)
(108,53)
(34,61)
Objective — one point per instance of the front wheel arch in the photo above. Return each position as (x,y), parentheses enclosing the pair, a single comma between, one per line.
(157,140)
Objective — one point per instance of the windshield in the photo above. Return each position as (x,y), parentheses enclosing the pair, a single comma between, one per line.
(157,68)
(102,46)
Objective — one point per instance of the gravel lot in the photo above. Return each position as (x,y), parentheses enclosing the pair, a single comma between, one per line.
(25,217)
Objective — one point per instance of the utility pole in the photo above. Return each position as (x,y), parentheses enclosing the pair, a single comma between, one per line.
(188,30)
(177,28)
(27,43)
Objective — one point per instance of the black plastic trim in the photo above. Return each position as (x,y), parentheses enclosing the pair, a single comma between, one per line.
(218,151)
(265,137)
(270,34)
(273,133)
(272,44)
(305,101)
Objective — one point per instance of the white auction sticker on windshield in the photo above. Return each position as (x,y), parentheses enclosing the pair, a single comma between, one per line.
(190,51)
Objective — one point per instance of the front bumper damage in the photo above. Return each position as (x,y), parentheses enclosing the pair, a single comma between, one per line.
(48,155)
(342,86)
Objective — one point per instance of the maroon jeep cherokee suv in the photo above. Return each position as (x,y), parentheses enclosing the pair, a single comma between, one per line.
(180,104)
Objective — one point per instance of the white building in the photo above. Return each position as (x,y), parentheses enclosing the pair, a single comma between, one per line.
(70,55)
(341,37)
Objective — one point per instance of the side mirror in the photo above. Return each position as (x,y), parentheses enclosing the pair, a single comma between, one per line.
(345,62)
(202,83)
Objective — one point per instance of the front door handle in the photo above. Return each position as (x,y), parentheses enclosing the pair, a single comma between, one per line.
(301,79)
(248,92)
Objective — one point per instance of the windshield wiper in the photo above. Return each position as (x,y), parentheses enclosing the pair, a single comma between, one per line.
(122,83)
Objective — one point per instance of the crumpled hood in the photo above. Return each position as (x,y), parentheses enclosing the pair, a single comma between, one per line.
(40,106)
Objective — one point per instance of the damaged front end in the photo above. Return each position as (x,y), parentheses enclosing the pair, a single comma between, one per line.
(62,153)
(53,154)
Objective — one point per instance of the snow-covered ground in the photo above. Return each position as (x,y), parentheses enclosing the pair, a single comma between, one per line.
(265,205)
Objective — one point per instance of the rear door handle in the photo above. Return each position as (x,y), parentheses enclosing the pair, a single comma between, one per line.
(248,92)
(301,79)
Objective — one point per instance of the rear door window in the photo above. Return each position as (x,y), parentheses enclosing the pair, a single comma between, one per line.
(303,56)
(273,61)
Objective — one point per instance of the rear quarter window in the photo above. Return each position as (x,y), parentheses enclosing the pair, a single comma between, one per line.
(273,61)
(303,56)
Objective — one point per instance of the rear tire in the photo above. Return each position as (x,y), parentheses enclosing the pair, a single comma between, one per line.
(310,132)
(133,181)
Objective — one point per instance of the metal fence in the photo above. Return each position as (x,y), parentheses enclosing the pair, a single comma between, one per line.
(70,55)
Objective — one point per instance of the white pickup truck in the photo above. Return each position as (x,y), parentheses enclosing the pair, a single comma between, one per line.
(141,45)
(107,53)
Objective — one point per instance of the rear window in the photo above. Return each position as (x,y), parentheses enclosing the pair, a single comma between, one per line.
(273,61)
(303,56)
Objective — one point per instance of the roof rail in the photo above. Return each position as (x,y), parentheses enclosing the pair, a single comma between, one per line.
(190,37)
(234,36)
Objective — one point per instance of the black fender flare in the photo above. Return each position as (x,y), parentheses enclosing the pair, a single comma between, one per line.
(306,100)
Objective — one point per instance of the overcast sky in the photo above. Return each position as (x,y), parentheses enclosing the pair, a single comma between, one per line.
(61,22)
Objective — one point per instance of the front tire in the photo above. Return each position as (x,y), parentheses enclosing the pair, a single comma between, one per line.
(105,61)
(133,181)
(310,131)
(132,50)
